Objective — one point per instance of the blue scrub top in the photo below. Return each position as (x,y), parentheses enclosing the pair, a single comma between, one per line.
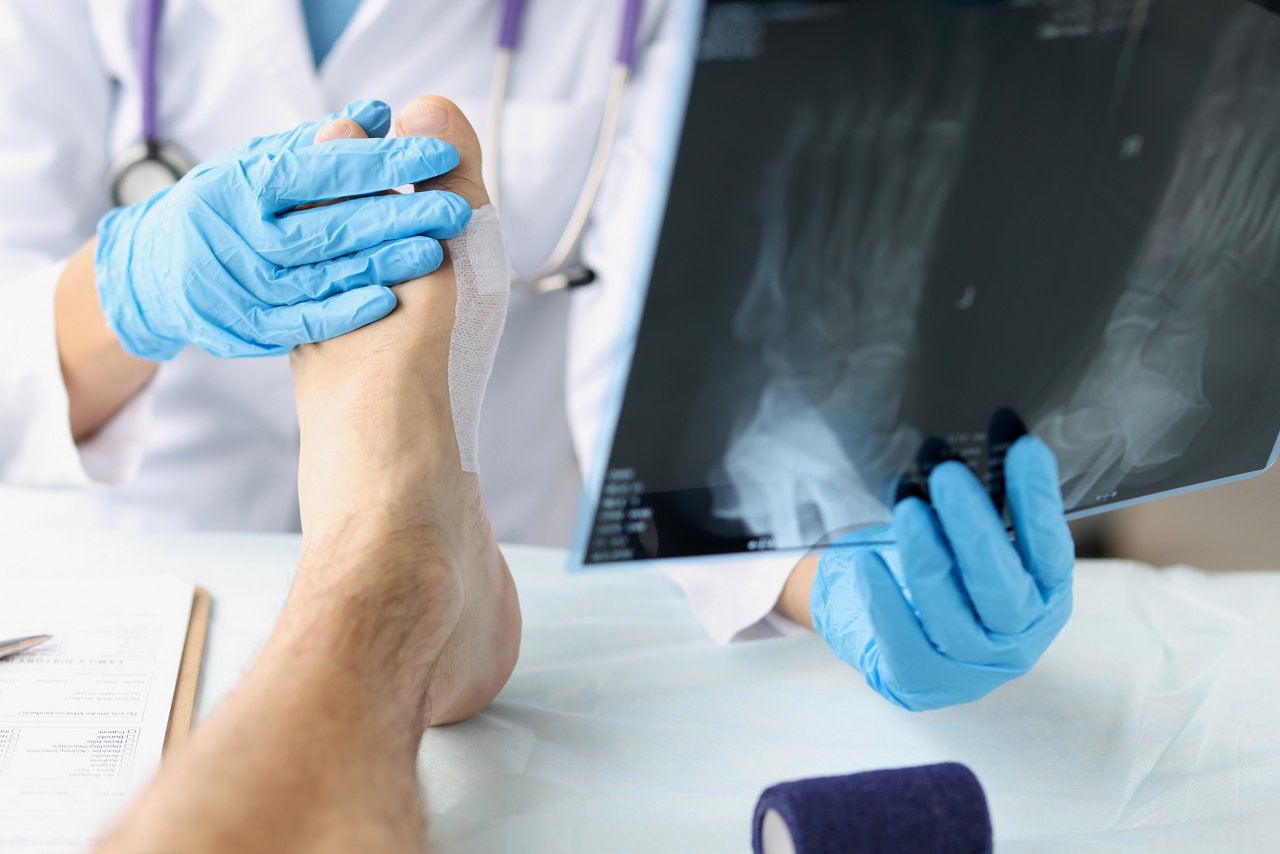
(326,19)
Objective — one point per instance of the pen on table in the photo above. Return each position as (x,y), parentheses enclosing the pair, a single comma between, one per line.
(17,645)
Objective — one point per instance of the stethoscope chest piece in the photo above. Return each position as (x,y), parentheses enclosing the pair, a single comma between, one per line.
(145,169)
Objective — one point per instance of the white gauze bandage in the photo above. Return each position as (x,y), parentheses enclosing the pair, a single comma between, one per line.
(483,271)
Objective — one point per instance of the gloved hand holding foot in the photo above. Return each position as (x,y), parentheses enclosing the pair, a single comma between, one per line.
(225,260)
(968,610)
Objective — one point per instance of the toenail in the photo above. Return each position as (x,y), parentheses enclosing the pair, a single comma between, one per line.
(424,118)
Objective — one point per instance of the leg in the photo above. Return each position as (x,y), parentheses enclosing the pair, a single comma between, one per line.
(402,613)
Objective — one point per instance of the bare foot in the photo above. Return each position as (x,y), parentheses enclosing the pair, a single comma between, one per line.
(377,430)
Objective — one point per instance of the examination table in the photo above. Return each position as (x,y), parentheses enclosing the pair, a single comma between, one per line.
(1153,723)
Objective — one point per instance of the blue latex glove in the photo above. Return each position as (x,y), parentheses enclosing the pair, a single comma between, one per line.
(220,261)
(972,610)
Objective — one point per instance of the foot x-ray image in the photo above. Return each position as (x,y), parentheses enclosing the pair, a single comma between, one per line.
(906,231)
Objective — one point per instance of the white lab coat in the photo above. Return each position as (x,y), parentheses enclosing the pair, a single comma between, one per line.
(213,444)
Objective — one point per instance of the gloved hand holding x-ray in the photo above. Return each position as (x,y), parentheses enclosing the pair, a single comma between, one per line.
(956,609)
(978,223)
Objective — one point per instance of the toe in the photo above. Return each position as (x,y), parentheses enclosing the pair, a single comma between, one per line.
(439,117)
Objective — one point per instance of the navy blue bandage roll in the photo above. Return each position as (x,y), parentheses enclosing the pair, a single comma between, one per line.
(921,810)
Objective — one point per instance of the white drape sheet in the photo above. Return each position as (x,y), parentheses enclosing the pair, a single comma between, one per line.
(1152,724)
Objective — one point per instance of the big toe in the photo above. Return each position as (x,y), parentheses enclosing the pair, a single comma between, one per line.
(439,117)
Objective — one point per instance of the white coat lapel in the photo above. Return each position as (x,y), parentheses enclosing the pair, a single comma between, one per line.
(344,65)
(271,35)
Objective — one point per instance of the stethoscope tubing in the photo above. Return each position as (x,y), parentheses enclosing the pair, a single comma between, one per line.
(552,274)
(149,46)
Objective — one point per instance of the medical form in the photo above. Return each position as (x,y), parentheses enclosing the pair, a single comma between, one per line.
(83,717)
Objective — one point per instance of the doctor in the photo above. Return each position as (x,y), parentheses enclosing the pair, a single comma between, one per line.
(119,406)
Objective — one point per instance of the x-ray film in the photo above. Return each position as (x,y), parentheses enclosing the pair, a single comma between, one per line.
(905,231)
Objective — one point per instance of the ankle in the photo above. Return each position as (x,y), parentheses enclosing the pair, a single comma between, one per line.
(375,590)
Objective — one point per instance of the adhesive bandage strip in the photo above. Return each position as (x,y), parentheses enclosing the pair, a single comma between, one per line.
(483,272)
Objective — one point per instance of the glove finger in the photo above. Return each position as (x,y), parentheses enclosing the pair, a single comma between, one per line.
(308,322)
(321,234)
(929,570)
(385,264)
(901,648)
(373,116)
(1003,593)
(1035,503)
(348,167)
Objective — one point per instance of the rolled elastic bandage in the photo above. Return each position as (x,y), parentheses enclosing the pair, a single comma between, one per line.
(921,810)
(483,271)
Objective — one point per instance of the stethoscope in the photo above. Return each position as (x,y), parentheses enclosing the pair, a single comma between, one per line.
(153,164)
